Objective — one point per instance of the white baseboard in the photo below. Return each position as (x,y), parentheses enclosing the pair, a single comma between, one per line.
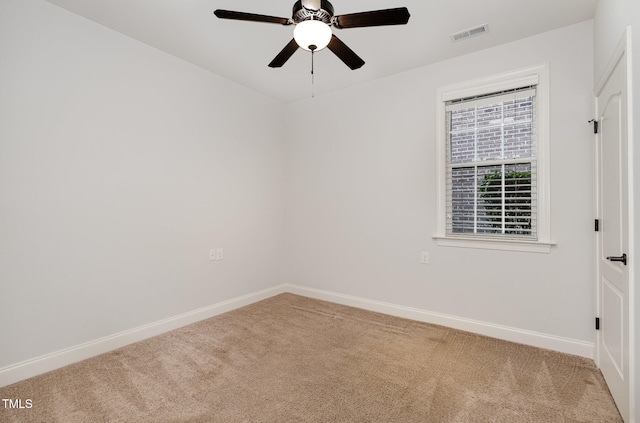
(29,368)
(536,339)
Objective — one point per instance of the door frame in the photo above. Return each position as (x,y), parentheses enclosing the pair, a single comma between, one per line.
(623,49)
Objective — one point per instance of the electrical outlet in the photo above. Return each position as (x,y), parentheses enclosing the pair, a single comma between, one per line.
(424,257)
(220,254)
(212,254)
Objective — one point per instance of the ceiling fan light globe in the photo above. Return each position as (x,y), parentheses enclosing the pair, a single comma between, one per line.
(312,33)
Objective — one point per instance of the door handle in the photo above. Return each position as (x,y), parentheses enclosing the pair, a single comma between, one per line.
(622,259)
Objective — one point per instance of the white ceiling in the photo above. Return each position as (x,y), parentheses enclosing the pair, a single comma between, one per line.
(240,51)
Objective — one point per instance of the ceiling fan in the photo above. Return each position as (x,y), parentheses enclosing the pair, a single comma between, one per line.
(313,20)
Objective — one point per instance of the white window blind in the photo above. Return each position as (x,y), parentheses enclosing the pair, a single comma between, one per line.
(491,165)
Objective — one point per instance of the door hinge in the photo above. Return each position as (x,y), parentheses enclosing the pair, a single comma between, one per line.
(597,225)
(597,323)
(595,125)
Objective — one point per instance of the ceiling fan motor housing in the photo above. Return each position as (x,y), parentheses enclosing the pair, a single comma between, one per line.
(301,13)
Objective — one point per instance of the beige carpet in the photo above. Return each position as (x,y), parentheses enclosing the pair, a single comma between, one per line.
(294,359)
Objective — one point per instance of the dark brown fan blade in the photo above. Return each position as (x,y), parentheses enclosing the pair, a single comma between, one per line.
(242,16)
(345,54)
(397,16)
(284,55)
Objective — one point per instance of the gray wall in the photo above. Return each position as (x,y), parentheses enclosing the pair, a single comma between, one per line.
(120,167)
(361,196)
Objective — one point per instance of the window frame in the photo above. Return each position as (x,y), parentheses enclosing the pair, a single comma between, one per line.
(539,76)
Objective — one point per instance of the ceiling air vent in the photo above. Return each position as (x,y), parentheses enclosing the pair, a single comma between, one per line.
(468,33)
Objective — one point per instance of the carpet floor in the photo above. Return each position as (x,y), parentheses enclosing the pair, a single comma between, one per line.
(294,359)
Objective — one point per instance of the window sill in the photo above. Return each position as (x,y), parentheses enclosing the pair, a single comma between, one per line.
(495,244)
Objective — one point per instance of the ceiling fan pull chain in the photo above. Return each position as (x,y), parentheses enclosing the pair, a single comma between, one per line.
(312,76)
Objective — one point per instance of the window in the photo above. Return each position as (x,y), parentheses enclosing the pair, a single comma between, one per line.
(490,158)
(492,152)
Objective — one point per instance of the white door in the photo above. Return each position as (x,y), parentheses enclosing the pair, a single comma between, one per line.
(613,237)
